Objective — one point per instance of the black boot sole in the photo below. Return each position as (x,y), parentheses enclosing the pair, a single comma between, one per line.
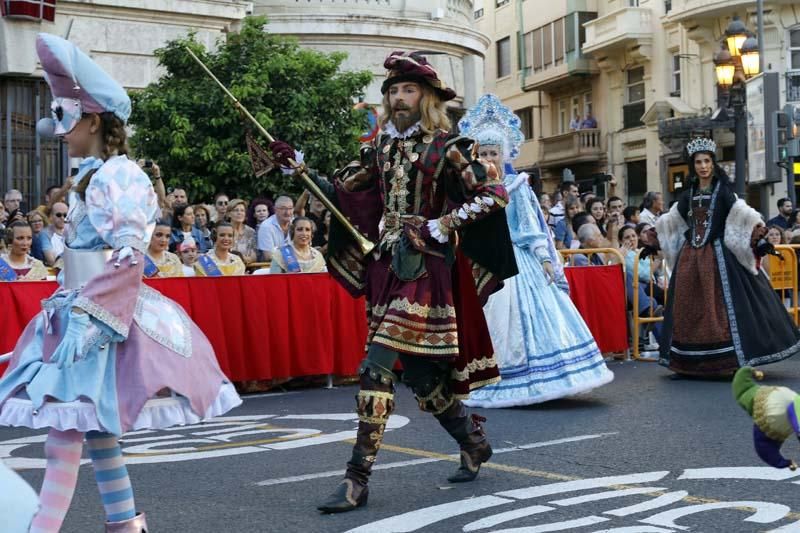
(464,475)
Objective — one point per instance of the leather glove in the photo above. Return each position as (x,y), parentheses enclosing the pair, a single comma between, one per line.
(282,152)
(759,232)
(72,343)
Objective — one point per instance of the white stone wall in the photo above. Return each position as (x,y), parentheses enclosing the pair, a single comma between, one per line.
(369,30)
(121,35)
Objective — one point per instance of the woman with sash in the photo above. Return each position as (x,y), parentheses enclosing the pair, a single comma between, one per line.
(159,262)
(17,263)
(220,261)
(298,256)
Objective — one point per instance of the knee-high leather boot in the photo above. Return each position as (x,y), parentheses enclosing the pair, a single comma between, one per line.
(469,434)
(374,404)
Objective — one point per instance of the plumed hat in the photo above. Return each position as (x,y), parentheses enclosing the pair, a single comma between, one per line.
(774,411)
(72,74)
(489,122)
(413,66)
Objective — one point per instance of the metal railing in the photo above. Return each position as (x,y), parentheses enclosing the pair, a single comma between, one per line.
(651,317)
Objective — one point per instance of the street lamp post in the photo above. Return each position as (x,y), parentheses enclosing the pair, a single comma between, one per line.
(737,61)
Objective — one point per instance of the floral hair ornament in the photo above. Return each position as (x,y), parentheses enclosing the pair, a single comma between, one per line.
(490,123)
(701,144)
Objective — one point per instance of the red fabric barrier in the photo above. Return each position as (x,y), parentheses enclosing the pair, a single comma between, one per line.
(599,294)
(261,327)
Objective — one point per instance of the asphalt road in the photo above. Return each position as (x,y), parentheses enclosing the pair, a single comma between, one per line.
(643,454)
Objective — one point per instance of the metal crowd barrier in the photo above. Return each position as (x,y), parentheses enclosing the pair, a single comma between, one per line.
(651,318)
(783,276)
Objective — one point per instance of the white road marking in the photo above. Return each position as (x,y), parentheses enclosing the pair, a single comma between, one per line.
(491,521)
(556,526)
(605,496)
(415,462)
(662,501)
(740,472)
(635,529)
(766,513)
(414,520)
(582,484)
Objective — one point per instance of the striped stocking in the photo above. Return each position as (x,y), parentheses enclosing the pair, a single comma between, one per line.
(112,476)
(63,453)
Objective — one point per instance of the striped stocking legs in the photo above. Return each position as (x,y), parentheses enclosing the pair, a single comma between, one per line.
(112,476)
(63,453)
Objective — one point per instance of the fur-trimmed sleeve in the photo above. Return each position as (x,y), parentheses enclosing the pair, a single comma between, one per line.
(738,231)
(671,229)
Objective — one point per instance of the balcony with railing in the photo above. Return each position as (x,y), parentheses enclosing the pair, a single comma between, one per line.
(581,146)
(629,28)
(691,10)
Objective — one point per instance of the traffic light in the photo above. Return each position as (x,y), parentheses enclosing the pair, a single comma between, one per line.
(780,128)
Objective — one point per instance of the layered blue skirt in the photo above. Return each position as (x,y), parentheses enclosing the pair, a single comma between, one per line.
(543,347)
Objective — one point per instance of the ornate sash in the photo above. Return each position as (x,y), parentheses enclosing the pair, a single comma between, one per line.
(6,272)
(150,268)
(208,265)
(292,264)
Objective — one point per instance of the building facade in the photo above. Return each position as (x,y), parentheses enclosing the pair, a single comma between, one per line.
(120,35)
(369,30)
(643,69)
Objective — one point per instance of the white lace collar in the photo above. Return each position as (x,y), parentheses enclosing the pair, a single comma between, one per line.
(391,130)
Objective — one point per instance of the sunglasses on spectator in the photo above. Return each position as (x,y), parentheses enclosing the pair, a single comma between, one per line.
(60,215)
(222,203)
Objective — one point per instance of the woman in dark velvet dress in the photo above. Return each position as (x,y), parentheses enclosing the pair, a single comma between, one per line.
(721,311)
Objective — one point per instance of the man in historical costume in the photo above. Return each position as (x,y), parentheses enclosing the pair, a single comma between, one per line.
(437,215)
(721,313)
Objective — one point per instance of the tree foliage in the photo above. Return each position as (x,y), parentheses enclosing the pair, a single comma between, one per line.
(185,122)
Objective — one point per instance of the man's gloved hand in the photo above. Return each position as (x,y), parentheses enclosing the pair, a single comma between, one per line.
(282,152)
(72,343)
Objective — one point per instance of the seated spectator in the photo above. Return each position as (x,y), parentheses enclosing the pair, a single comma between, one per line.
(546,203)
(244,237)
(221,206)
(274,231)
(298,256)
(631,215)
(159,262)
(187,251)
(42,248)
(55,231)
(12,200)
(259,210)
(650,268)
(590,237)
(597,208)
(588,122)
(179,196)
(202,221)
(19,239)
(220,260)
(775,235)
(784,217)
(311,207)
(183,227)
(563,230)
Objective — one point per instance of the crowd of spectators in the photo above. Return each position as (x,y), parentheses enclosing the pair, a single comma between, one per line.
(229,236)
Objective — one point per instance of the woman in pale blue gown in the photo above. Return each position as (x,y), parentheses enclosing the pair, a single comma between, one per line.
(543,347)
